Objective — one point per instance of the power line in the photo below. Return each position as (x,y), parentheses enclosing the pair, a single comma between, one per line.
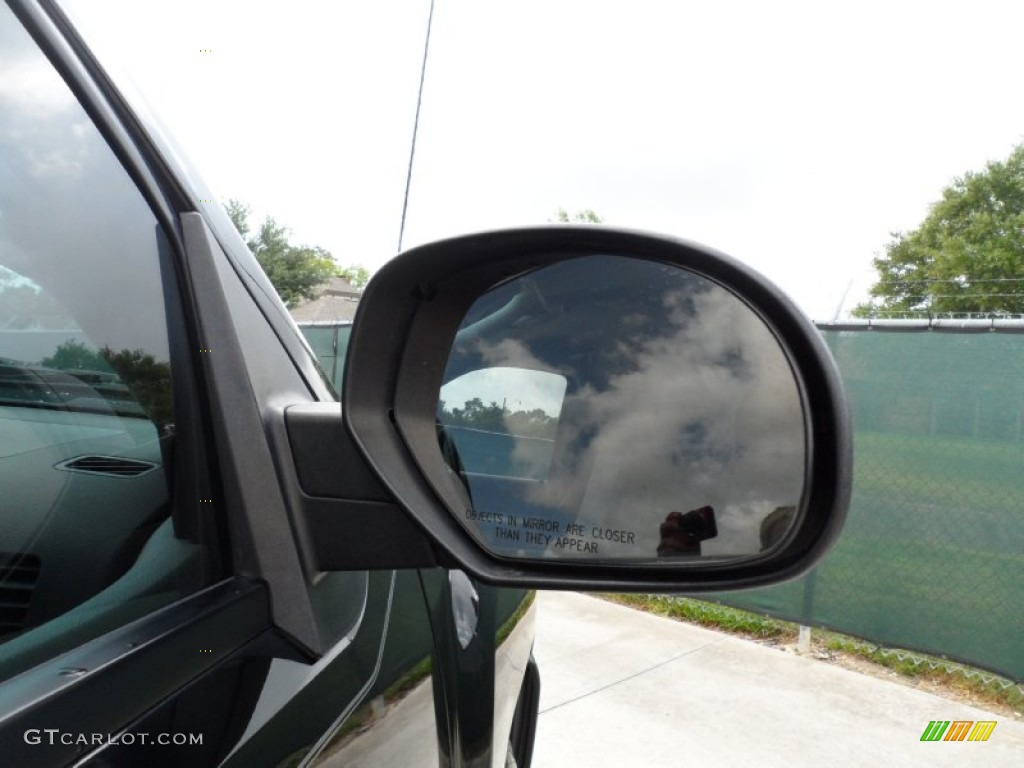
(896,281)
(965,295)
(415,126)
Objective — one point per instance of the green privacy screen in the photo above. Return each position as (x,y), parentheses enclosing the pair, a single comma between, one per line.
(932,555)
(329,343)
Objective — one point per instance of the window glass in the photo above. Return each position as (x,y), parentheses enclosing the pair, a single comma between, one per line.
(87,420)
(503,420)
(330,345)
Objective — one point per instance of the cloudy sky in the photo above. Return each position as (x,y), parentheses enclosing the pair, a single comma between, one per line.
(793,135)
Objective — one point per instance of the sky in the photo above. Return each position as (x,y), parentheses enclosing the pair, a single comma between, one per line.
(795,136)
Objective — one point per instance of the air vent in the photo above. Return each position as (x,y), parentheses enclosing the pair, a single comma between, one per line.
(18,575)
(113,466)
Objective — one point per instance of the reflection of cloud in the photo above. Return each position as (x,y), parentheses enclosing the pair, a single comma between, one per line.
(709,415)
(511,353)
(30,86)
(31,95)
(701,409)
(724,373)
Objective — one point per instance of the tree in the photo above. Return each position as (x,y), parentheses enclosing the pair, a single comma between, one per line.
(966,257)
(296,271)
(586,216)
(357,276)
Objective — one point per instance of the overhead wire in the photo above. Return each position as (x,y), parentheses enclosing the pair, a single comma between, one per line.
(954,280)
(415,126)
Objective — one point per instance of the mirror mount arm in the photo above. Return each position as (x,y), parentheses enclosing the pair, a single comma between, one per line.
(350,520)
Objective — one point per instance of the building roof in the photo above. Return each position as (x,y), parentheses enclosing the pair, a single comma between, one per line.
(336,302)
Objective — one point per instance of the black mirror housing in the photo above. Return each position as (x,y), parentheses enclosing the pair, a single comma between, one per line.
(426,316)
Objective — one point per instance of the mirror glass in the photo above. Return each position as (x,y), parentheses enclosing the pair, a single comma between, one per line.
(606,407)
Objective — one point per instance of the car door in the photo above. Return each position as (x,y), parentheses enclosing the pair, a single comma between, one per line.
(158,607)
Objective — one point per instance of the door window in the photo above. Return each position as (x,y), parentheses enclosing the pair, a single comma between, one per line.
(91,531)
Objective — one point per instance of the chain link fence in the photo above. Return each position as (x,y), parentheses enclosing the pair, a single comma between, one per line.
(932,555)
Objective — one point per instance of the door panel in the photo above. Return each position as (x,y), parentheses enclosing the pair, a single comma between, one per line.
(396,724)
(480,665)
(301,702)
(70,707)
(515,617)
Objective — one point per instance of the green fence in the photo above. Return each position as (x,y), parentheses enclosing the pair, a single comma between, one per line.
(329,342)
(932,555)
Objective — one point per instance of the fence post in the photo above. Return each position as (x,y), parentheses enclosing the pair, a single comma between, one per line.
(803,643)
(804,638)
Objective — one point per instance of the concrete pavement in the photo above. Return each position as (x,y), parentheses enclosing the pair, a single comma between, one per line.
(623,688)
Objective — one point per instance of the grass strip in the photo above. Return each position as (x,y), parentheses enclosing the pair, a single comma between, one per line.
(979,685)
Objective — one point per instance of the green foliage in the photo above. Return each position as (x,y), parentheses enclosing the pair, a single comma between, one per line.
(966,257)
(296,271)
(357,276)
(535,423)
(708,615)
(239,212)
(474,414)
(148,380)
(75,356)
(586,216)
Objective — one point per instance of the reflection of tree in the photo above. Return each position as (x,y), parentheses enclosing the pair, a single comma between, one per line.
(474,414)
(535,423)
(148,379)
(496,418)
(75,356)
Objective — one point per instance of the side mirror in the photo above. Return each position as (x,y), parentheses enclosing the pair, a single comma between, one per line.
(599,409)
